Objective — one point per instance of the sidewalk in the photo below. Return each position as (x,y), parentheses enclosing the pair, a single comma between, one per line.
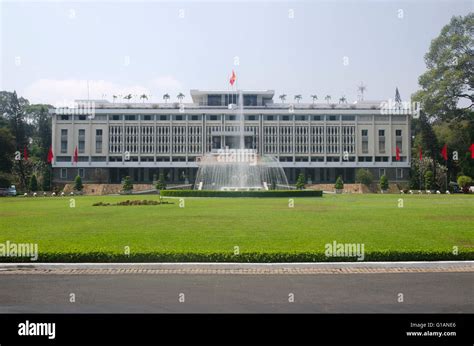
(237,268)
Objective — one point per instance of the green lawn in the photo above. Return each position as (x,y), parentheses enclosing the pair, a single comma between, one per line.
(427,223)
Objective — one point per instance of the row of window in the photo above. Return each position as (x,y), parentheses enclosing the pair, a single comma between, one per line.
(153,117)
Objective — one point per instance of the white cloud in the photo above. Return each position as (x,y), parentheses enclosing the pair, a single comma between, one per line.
(61,91)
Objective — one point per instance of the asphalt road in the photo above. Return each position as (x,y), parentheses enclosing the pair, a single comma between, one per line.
(332,293)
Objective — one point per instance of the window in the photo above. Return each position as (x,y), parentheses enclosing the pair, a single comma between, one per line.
(115,117)
(250,100)
(399,173)
(194,117)
(178,117)
(316,117)
(250,117)
(333,117)
(63,173)
(286,118)
(270,117)
(98,141)
(398,140)
(301,117)
(214,100)
(82,141)
(163,117)
(365,141)
(230,99)
(82,117)
(213,117)
(398,132)
(381,171)
(382,141)
(63,141)
(130,117)
(64,117)
(147,117)
(348,118)
(80,172)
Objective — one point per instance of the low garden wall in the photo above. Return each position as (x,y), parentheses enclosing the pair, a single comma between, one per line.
(213,193)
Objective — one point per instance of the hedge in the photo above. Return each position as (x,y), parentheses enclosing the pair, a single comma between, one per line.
(216,193)
(251,257)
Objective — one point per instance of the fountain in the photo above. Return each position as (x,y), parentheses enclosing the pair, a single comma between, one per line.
(240,169)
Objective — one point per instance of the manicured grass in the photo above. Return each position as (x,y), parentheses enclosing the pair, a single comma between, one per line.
(426,224)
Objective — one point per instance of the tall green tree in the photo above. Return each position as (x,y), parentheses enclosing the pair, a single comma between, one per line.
(447,87)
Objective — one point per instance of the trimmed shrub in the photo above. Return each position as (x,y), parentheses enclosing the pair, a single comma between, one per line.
(258,257)
(127,184)
(429,181)
(383,183)
(300,182)
(160,184)
(33,183)
(78,183)
(339,183)
(464,182)
(270,193)
(363,176)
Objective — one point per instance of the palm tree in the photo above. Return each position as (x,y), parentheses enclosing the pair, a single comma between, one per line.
(166,97)
(298,98)
(328,98)
(143,97)
(128,97)
(343,99)
(114,97)
(282,98)
(314,97)
(180,97)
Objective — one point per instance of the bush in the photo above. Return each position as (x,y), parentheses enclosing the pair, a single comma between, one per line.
(383,183)
(160,184)
(363,176)
(127,184)
(429,181)
(78,183)
(33,183)
(464,182)
(213,193)
(5,180)
(339,183)
(46,180)
(257,257)
(300,182)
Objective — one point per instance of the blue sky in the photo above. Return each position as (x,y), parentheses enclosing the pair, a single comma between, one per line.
(50,49)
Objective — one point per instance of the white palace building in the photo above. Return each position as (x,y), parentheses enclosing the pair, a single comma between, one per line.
(142,140)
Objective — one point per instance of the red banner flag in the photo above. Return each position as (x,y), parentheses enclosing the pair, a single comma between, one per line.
(421,154)
(25,153)
(75,157)
(233,78)
(472,151)
(50,154)
(397,153)
(444,152)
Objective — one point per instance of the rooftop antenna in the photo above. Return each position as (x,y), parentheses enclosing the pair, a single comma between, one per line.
(361,88)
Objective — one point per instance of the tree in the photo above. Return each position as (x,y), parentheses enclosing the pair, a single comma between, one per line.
(429,180)
(161,184)
(343,99)
(46,178)
(166,97)
(298,98)
(143,97)
(127,184)
(314,97)
(282,98)
(33,183)
(180,97)
(447,87)
(363,176)
(7,150)
(383,183)
(300,182)
(78,183)
(328,98)
(339,183)
(128,97)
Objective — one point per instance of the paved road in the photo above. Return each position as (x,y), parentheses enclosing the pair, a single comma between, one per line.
(422,292)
